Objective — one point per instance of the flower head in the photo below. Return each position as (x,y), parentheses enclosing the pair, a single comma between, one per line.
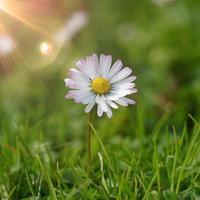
(97,81)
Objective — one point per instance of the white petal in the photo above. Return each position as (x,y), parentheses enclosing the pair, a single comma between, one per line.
(97,99)
(91,66)
(78,76)
(121,75)
(83,67)
(109,113)
(89,107)
(80,64)
(103,104)
(122,93)
(112,104)
(121,102)
(124,86)
(66,80)
(128,80)
(77,92)
(76,85)
(99,111)
(104,65)
(87,99)
(88,66)
(112,96)
(129,101)
(134,90)
(78,95)
(68,96)
(96,64)
(115,68)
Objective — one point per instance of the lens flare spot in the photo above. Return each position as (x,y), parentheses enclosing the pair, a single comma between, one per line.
(45,48)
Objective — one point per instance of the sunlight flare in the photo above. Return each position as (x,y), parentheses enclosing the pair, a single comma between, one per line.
(45,48)
(2,4)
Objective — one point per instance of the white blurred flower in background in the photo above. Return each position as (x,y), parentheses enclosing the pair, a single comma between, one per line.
(6,44)
(73,25)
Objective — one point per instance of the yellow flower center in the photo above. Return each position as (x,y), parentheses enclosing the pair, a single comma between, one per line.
(100,85)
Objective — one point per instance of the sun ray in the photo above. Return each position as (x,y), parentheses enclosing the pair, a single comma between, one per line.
(25,13)
(29,5)
(48,38)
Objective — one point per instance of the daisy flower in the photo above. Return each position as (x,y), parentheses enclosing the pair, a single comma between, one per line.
(96,81)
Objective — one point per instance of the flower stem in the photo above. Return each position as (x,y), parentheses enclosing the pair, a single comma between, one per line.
(89,131)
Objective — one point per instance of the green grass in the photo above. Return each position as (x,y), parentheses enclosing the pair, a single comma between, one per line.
(35,163)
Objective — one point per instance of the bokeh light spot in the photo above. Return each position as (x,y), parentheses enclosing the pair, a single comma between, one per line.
(45,48)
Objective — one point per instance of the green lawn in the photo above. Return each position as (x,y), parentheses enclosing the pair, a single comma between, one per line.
(43,150)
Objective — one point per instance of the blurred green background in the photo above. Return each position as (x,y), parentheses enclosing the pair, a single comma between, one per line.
(158,38)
